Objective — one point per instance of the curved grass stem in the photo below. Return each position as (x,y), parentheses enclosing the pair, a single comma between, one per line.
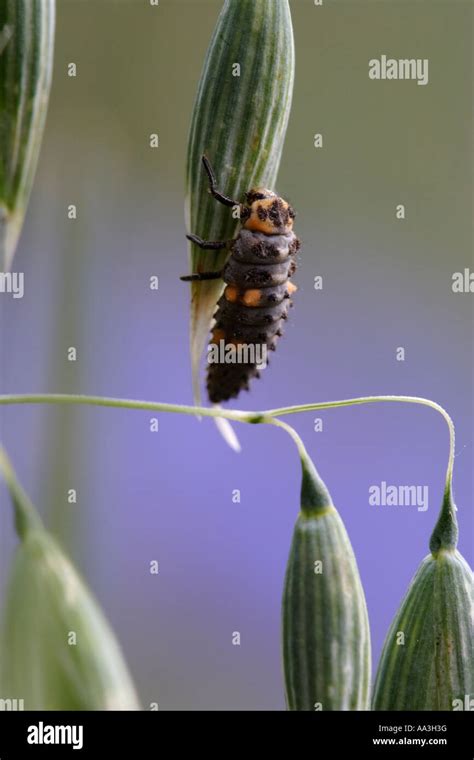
(232,414)
(315,497)
(375,400)
(445,533)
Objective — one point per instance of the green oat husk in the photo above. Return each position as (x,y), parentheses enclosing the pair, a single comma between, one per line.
(427,662)
(26,62)
(57,652)
(326,637)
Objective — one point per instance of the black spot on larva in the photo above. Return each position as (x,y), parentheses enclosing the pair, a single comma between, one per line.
(234,314)
(251,197)
(275,213)
(258,277)
(258,250)
(295,246)
(244,213)
(262,213)
(272,252)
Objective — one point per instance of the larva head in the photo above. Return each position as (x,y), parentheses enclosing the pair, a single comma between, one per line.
(259,194)
(266,212)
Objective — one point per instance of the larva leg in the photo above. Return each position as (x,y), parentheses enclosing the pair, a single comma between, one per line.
(213,185)
(201,276)
(207,245)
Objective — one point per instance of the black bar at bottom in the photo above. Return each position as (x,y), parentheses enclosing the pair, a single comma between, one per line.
(149,734)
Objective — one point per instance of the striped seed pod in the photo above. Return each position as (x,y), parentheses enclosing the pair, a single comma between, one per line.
(427,662)
(326,638)
(239,121)
(58,651)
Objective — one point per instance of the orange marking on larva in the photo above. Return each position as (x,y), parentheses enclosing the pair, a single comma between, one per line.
(291,288)
(254,224)
(231,293)
(252,297)
(270,216)
(217,336)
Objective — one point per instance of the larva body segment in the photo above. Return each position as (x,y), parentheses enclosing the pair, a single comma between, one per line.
(253,307)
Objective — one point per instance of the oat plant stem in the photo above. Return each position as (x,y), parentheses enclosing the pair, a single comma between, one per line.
(445,533)
(250,417)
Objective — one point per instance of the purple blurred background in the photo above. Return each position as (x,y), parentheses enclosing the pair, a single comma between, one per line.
(387,283)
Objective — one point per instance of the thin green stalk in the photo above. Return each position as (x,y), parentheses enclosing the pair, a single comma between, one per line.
(445,532)
(315,497)
(377,399)
(230,414)
(120,403)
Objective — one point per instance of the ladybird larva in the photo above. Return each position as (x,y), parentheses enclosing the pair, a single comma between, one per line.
(249,315)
